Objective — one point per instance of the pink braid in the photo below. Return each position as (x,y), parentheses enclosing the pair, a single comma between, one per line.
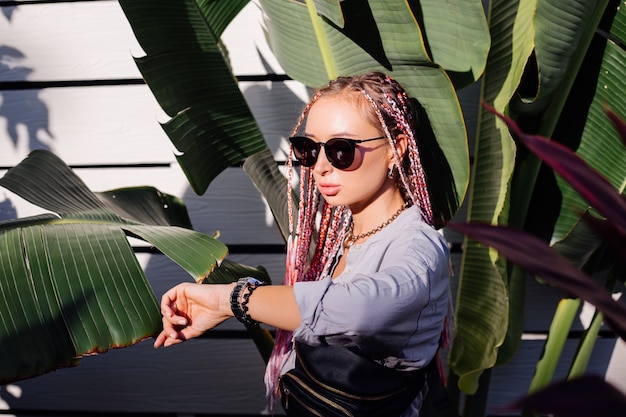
(393,112)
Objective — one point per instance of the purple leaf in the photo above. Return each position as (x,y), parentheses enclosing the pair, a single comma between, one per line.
(536,257)
(586,396)
(589,183)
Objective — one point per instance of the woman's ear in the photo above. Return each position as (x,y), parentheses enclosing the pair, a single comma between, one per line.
(401,145)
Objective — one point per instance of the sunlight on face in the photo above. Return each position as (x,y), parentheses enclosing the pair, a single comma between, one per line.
(338,116)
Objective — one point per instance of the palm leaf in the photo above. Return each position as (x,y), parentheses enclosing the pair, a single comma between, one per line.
(264,173)
(482,300)
(559,33)
(536,257)
(382,36)
(69,280)
(600,144)
(186,67)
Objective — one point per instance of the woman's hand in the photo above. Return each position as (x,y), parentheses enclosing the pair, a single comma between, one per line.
(191,309)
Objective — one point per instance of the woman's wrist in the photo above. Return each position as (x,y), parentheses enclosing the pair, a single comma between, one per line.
(224,298)
(240,296)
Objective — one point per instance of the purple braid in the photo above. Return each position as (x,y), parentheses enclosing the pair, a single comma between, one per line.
(386,104)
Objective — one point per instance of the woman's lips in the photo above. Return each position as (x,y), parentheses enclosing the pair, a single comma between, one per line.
(328,189)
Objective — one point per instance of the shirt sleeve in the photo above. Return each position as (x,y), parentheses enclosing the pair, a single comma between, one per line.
(396,301)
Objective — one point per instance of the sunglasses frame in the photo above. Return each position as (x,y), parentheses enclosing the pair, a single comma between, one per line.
(330,157)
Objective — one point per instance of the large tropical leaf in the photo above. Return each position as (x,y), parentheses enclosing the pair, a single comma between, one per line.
(533,88)
(264,173)
(482,302)
(536,257)
(600,144)
(69,280)
(358,36)
(186,67)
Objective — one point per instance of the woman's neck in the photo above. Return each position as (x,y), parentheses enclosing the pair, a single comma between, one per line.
(376,213)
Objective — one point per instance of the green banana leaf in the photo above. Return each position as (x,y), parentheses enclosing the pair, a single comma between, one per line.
(482,299)
(599,143)
(69,280)
(186,67)
(272,184)
(537,50)
(559,329)
(390,36)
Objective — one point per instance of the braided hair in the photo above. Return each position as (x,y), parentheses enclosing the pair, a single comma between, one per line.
(321,228)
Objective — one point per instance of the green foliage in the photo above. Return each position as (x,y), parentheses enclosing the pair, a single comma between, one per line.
(410,41)
(70,282)
(536,257)
(186,67)
(542,72)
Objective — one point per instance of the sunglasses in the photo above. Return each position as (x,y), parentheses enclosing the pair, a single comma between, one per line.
(339,151)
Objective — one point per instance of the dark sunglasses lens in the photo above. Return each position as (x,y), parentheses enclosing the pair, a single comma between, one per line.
(305,150)
(340,152)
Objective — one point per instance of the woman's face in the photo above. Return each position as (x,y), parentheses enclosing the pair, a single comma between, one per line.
(366,179)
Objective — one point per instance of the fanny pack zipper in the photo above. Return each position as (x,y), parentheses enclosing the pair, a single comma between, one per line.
(347,394)
(320,397)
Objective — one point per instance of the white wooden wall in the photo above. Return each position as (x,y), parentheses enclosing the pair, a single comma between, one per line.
(55,59)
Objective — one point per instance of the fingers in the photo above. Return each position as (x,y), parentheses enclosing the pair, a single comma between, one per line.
(173,331)
(173,321)
(169,303)
(160,340)
(187,313)
(172,335)
(166,340)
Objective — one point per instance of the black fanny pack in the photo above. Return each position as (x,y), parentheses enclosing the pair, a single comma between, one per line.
(333,381)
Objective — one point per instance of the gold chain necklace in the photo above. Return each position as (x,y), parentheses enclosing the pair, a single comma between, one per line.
(352,238)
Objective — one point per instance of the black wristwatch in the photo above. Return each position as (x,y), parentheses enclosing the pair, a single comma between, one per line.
(240,296)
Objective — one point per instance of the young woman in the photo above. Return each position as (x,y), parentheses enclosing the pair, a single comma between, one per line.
(377,282)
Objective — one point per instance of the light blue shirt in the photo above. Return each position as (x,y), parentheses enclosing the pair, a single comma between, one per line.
(390,301)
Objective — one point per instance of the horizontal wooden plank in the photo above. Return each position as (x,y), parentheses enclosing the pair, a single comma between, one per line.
(120,124)
(85,40)
(215,376)
(90,125)
(231,205)
(200,376)
(92,40)
(512,380)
